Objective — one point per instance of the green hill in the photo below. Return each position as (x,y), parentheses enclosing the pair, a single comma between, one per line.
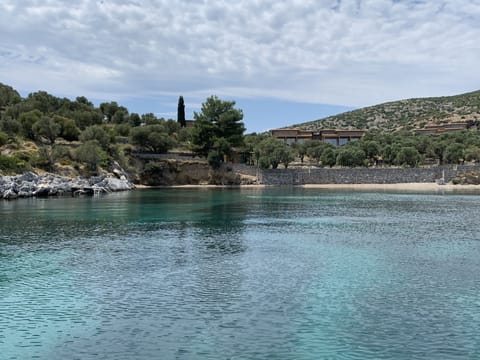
(404,114)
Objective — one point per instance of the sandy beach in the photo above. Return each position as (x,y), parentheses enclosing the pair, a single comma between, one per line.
(420,187)
(397,187)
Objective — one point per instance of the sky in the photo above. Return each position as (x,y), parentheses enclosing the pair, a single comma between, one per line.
(283,62)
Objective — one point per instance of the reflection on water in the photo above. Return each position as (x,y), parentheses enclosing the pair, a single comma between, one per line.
(251,274)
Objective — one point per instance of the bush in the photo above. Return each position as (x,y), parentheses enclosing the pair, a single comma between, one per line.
(46,128)
(328,157)
(454,153)
(214,159)
(351,156)
(68,128)
(11,164)
(92,155)
(3,138)
(151,138)
(123,129)
(96,133)
(408,156)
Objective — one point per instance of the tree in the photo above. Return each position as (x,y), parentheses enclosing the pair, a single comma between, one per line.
(202,137)
(8,96)
(151,138)
(271,152)
(285,154)
(454,153)
(46,128)
(472,153)
(372,149)
(350,156)
(43,101)
(98,133)
(9,126)
(439,150)
(408,156)
(390,152)
(47,156)
(218,120)
(120,116)
(91,154)
(301,149)
(181,112)
(328,157)
(109,109)
(27,120)
(84,118)
(135,119)
(172,126)
(316,148)
(149,119)
(83,100)
(68,129)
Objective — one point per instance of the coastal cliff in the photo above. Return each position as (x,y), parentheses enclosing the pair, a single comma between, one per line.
(30,184)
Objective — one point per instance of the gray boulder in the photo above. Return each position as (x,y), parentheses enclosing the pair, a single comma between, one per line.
(114,184)
(10,194)
(42,192)
(28,176)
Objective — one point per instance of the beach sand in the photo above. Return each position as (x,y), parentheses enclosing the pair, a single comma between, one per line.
(398,187)
(420,187)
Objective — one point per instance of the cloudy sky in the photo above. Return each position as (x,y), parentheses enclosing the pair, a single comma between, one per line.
(283,62)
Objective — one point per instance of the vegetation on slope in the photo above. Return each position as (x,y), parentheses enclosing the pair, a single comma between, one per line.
(404,114)
(75,137)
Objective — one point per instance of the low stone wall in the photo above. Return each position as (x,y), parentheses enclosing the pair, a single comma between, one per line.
(245,169)
(361,175)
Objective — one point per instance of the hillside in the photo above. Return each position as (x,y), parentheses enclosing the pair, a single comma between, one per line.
(410,113)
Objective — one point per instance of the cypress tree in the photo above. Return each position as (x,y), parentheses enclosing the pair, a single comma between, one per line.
(181,112)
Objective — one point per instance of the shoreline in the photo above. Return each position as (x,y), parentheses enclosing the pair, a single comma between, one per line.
(354,187)
(396,186)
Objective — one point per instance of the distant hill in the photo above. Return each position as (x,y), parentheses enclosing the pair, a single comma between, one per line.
(404,114)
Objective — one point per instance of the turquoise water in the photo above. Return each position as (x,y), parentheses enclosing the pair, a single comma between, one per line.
(241,274)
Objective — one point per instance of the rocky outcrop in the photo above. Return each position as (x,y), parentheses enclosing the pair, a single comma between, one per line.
(31,184)
(176,172)
(467,178)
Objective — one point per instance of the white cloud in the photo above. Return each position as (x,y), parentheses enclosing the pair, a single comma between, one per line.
(348,52)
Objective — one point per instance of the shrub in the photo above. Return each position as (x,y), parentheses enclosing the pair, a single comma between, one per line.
(11,164)
(68,128)
(92,155)
(96,133)
(350,156)
(214,159)
(454,153)
(3,138)
(151,138)
(408,156)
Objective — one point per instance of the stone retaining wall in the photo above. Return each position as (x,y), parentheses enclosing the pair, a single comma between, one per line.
(360,175)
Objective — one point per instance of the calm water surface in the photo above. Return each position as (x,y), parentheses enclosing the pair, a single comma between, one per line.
(241,274)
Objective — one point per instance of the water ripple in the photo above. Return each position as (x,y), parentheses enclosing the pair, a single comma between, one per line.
(238,275)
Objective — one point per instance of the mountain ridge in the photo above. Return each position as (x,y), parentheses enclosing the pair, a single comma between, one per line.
(413,113)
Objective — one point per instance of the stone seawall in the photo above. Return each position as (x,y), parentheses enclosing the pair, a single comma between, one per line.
(361,175)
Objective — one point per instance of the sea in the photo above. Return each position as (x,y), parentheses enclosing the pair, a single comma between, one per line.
(241,273)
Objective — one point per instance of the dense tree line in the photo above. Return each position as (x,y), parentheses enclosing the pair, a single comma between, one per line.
(376,148)
(77,133)
(45,131)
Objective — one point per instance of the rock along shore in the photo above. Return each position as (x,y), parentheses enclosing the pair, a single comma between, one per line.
(32,185)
